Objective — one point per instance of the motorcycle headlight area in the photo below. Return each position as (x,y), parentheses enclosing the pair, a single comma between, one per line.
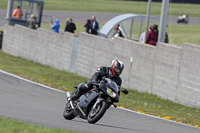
(111,93)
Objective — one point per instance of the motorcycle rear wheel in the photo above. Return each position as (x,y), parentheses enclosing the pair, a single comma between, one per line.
(96,113)
(68,114)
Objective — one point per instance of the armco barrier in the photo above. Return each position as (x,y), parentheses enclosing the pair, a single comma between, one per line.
(171,72)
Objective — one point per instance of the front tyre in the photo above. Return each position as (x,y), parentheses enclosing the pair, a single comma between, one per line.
(96,113)
(68,114)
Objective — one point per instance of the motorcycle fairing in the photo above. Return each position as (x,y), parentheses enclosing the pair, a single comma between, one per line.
(87,99)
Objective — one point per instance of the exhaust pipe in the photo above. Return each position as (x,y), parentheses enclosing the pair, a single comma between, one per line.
(69,99)
(68,94)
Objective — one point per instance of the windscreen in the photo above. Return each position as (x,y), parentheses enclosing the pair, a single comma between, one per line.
(111,84)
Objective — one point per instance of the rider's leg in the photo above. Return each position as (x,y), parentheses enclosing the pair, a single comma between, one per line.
(82,88)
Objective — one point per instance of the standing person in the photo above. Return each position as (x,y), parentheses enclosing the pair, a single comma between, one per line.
(70,26)
(95,25)
(113,72)
(166,36)
(32,22)
(142,37)
(118,32)
(155,27)
(151,36)
(56,26)
(88,26)
(17,12)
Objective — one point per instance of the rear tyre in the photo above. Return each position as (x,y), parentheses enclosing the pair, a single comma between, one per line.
(68,114)
(96,113)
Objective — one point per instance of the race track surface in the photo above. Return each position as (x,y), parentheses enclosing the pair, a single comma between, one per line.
(36,104)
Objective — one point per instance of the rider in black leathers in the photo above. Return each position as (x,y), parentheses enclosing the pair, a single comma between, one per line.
(111,72)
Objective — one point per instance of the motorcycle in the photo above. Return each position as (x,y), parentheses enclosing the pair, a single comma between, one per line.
(183,19)
(93,104)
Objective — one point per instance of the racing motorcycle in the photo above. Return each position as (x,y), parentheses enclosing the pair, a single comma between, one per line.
(183,19)
(93,104)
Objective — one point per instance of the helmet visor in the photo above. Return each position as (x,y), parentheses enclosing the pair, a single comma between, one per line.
(117,70)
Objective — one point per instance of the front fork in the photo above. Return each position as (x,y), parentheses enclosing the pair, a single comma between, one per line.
(108,101)
(100,100)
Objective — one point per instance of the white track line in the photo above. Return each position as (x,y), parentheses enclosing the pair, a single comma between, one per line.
(31,81)
(65,92)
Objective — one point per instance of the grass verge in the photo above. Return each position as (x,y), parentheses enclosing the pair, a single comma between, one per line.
(12,126)
(141,102)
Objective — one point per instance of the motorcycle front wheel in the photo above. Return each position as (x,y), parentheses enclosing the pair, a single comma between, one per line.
(97,112)
(68,114)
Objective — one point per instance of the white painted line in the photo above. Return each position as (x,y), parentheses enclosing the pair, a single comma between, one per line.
(31,81)
(117,107)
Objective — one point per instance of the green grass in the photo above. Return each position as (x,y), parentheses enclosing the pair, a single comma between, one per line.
(116,6)
(142,102)
(11,126)
(178,33)
(39,73)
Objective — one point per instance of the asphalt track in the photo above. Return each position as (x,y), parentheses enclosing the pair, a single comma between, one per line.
(33,103)
(83,16)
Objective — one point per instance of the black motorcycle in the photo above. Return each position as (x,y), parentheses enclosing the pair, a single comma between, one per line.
(183,19)
(93,104)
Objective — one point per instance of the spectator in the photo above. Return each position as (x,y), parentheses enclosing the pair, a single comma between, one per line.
(142,37)
(151,36)
(32,22)
(17,12)
(166,36)
(155,26)
(88,26)
(70,26)
(95,25)
(118,32)
(56,26)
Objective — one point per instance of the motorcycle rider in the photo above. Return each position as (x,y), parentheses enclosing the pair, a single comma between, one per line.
(113,72)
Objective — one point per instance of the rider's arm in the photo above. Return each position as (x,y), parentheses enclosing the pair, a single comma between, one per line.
(119,82)
(98,74)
